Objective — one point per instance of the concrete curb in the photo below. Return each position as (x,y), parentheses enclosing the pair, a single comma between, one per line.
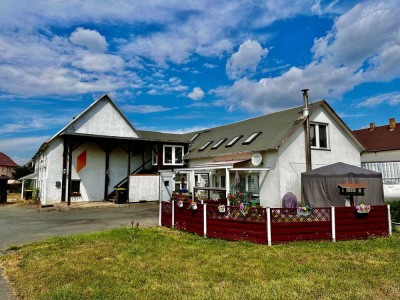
(94,205)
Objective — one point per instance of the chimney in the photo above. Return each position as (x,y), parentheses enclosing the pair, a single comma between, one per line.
(371,126)
(392,124)
(306,113)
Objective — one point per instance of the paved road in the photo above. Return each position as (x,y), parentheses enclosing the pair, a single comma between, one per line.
(23,224)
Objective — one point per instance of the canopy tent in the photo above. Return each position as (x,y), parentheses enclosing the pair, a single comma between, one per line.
(319,186)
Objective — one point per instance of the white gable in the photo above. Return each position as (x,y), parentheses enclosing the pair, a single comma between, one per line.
(103,118)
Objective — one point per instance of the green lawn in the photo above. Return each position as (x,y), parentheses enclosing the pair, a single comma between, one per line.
(161,263)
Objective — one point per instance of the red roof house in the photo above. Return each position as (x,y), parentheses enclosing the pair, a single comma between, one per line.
(7,165)
(380,138)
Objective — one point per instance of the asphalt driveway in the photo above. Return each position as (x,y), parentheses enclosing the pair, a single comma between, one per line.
(24,224)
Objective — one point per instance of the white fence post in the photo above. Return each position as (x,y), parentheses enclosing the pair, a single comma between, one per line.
(159,214)
(205,219)
(173,213)
(333,222)
(269,239)
(389,219)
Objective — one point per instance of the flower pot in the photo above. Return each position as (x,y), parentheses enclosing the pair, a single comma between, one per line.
(194,206)
(180,204)
(221,208)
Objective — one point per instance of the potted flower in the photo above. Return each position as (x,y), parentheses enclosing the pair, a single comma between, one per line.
(363,209)
(304,211)
(180,203)
(221,208)
(192,205)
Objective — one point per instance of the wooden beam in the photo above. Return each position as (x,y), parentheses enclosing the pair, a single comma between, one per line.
(64,171)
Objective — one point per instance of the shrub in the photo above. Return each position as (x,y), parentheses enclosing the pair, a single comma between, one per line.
(395,211)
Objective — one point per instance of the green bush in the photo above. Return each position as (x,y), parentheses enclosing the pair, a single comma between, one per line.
(395,211)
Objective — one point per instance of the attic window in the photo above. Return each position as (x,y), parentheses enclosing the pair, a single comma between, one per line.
(194,137)
(205,145)
(233,141)
(219,143)
(251,138)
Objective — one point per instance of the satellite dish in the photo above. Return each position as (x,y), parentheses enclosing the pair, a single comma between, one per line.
(256,159)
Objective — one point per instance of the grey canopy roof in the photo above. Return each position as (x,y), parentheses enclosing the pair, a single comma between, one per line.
(339,170)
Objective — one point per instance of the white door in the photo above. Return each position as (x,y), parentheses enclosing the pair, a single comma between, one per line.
(167,184)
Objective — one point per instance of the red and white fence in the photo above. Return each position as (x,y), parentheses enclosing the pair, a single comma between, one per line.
(276,225)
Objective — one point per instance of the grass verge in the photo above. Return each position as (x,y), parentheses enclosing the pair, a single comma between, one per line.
(160,263)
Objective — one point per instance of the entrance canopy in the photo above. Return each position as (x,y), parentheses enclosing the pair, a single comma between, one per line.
(320,186)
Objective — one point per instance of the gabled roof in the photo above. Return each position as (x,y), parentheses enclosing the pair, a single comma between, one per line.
(69,126)
(164,137)
(275,129)
(379,139)
(6,161)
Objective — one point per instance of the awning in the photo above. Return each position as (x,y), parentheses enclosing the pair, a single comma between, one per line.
(30,176)
(219,164)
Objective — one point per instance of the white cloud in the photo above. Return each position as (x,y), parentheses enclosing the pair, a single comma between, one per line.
(210,66)
(196,94)
(359,48)
(90,39)
(245,60)
(22,145)
(392,99)
(145,109)
(99,62)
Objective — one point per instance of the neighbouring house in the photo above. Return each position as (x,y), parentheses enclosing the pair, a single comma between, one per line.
(263,156)
(7,165)
(382,154)
(99,151)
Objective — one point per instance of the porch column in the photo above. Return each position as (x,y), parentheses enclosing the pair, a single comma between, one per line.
(23,188)
(192,182)
(64,171)
(106,176)
(227,185)
(69,182)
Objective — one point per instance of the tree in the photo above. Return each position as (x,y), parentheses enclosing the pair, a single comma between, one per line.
(21,172)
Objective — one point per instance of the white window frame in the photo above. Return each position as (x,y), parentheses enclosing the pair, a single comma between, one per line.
(221,180)
(174,147)
(154,158)
(247,182)
(316,131)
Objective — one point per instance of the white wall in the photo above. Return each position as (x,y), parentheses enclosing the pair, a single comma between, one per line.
(118,167)
(92,176)
(49,168)
(102,119)
(292,154)
(382,156)
(144,187)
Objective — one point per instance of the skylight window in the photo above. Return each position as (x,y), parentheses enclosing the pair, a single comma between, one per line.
(205,145)
(251,138)
(219,143)
(194,137)
(233,141)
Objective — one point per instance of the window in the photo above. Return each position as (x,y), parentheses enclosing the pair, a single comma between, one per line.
(201,180)
(194,137)
(251,138)
(319,136)
(205,145)
(233,141)
(76,187)
(154,158)
(173,155)
(253,183)
(219,143)
(219,181)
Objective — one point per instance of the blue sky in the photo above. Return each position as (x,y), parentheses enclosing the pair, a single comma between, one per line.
(179,66)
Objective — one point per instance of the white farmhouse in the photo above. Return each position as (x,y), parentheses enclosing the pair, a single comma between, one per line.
(100,151)
(266,155)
